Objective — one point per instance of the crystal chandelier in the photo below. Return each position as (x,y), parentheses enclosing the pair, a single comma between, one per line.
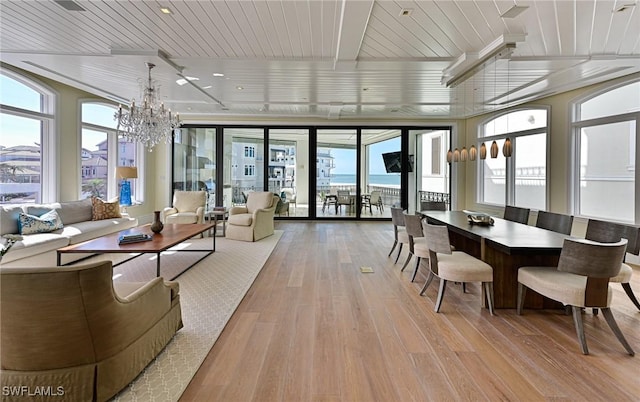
(149,123)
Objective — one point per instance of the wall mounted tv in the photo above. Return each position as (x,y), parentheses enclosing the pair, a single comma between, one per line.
(393,162)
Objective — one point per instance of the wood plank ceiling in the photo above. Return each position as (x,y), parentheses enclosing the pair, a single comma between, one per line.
(349,59)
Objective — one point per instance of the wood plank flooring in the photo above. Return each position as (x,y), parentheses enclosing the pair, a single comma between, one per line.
(314,328)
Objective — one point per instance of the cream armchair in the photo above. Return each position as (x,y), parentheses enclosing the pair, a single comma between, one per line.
(253,221)
(72,327)
(188,207)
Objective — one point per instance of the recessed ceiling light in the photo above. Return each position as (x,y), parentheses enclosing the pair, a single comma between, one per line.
(405,12)
(207,87)
(218,75)
(184,80)
(239,88)
(165,10)
(514,11)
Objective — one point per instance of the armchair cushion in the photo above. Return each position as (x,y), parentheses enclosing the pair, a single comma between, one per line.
(241,219)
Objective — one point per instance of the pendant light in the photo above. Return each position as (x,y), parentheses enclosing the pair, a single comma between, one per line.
(483,151)
(507,149)
(494,149)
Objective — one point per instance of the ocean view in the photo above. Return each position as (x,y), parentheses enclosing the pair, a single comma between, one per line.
(380,179)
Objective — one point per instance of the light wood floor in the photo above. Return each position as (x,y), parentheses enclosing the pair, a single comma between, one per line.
(313,328)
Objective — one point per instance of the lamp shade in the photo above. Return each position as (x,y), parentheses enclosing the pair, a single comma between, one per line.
(483,151)
(464,155)
(507,149)
(456,155)
(473,153)
(494,149)
(127,172)
(449,156)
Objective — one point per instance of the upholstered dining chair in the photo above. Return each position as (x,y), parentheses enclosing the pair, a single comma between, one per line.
(555,222)
(516,214)
(400,235)
(580,280)
(456,266)
(417,243)
(344,198)
(610,232)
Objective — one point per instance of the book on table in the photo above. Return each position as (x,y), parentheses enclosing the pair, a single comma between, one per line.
(134,238)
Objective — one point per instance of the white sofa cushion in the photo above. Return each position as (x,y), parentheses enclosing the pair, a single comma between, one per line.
(34,244)
(70,212)
(83,231)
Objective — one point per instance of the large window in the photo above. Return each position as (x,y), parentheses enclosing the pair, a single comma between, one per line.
(26,141)
(521,178)
(606,130)
(102,151)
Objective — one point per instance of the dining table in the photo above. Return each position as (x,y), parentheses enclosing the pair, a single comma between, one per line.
(506,246)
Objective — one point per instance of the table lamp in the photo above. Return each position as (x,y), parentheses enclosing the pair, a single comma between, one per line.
(125,173)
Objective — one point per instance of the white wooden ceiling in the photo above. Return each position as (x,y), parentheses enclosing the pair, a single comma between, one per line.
(346,60)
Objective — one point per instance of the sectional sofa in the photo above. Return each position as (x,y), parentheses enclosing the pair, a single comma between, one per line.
(39,249)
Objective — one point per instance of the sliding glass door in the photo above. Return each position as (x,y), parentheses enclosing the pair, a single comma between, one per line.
(288,173)
(243,163)
(336,159)
(381,162)
(432,175)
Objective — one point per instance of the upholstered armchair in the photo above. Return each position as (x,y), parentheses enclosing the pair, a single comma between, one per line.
(74,328)
(290,196)
(254,220)
(188,207)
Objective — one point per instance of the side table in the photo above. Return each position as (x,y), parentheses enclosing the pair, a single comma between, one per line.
(219,214)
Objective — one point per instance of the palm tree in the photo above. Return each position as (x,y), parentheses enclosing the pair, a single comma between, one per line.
(97,187)
(8,172)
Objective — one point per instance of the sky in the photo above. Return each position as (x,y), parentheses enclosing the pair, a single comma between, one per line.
(345,159)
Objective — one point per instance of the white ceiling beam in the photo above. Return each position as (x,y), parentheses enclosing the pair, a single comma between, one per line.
(354,18)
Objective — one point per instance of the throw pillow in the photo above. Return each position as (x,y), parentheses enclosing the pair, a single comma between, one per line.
(48,222)
(105,210)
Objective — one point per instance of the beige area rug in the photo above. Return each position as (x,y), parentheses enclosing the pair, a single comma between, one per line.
(209,294)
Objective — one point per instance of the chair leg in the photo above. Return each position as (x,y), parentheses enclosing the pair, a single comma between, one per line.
(407,261)
(399,251)
(464,287)
(427,283)
(629,291)
(443,286)
(577,320)
(608,315)
(522,291)
(413,278)
(395,243)
(488,289)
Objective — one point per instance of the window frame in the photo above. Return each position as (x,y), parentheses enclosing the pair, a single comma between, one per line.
(510,165)
(113,157)
(576,125)
(49,185)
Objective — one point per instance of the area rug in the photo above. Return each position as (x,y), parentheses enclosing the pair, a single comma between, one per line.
(209,294)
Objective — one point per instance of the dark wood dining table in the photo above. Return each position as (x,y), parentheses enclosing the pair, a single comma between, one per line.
(506,246)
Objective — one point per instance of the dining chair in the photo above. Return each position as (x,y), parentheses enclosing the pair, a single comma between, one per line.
(375,200)
(555,222)
(580,280)
(400,235)
(516,214)
(344,198)
(610,232)
(417,243)
(456,266)
(433,206)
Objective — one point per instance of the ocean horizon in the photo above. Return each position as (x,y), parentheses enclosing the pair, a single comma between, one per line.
(379,179)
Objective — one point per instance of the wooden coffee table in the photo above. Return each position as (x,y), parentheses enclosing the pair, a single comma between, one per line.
(171,235)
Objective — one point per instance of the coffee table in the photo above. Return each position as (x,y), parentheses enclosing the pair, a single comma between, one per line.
(171,235)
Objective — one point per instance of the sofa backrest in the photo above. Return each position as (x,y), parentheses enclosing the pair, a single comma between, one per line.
(260,200)
(69,212)
(44,319)
(9,219)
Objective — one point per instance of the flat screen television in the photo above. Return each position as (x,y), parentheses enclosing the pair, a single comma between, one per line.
(393,162)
